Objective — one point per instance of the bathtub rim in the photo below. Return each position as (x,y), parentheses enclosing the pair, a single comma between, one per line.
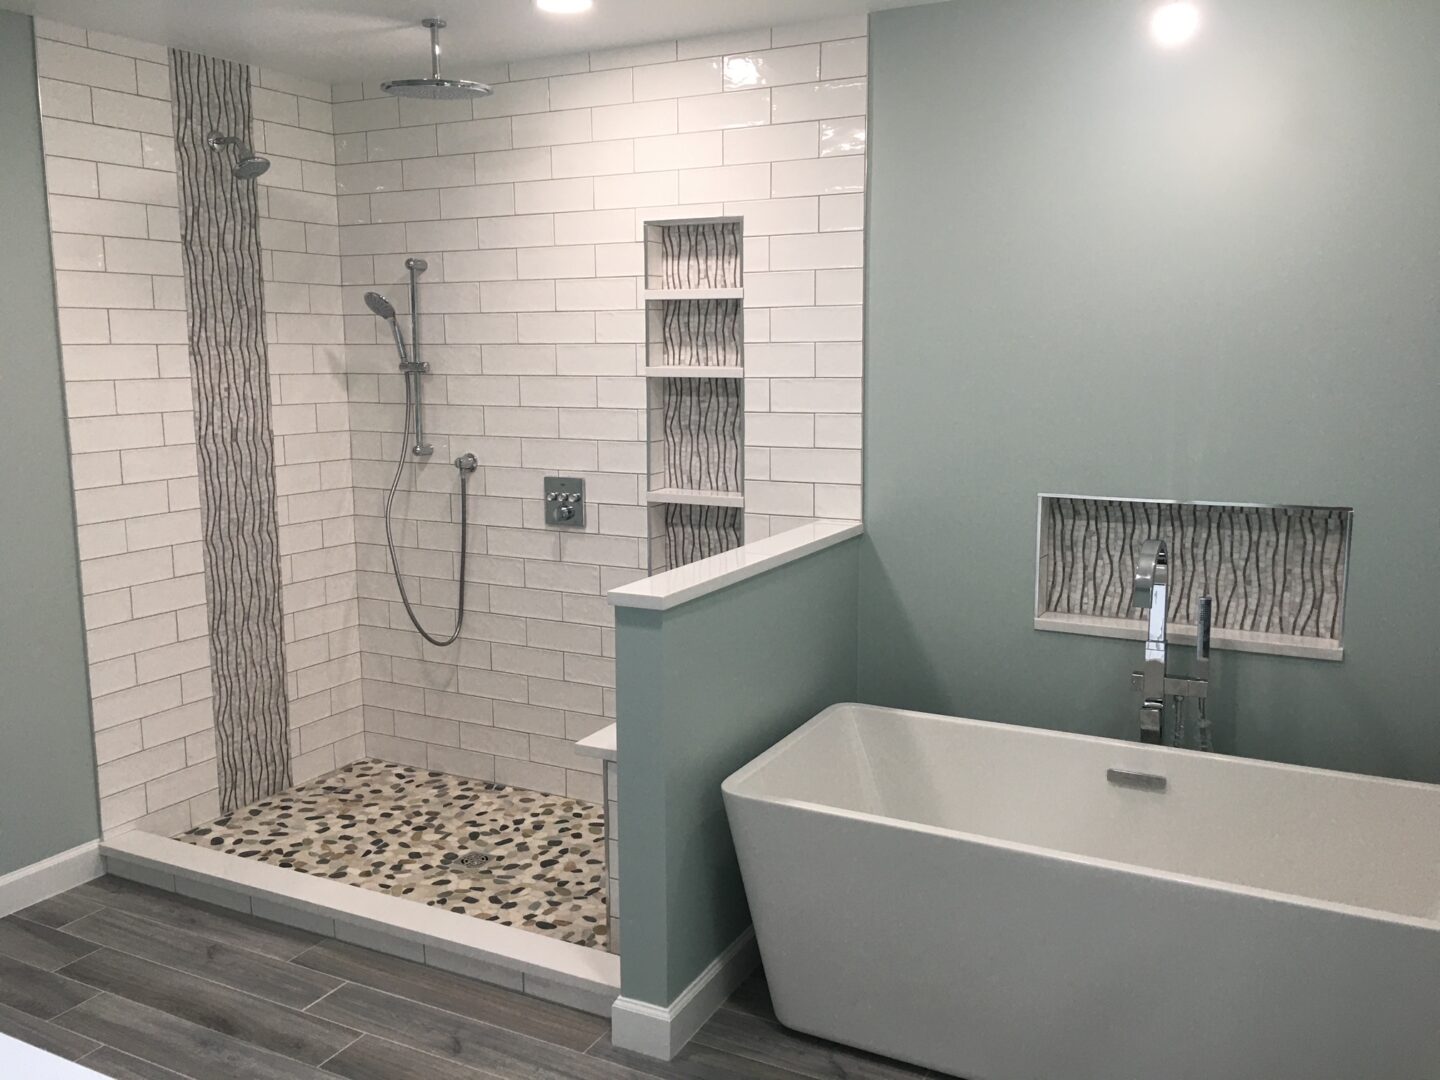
(732,788)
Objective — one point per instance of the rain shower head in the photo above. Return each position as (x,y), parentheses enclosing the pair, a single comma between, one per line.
(435,88)
(380,306)
(250,164)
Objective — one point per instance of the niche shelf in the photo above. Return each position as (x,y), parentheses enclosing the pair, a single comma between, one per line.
(1277,573)
(694,294)
(694,497)
(682,371)
(695,371)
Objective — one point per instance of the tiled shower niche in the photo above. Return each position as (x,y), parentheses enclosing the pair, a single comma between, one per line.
(1277,573)
(695,364)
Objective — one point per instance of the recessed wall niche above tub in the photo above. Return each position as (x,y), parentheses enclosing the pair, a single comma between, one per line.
(695,365)
(1277,573)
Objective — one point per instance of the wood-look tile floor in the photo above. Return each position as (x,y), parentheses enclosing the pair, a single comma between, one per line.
(141,984)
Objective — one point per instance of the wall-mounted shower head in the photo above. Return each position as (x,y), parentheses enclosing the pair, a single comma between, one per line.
(435,88)
(250,164)
(380,306)
(248,168)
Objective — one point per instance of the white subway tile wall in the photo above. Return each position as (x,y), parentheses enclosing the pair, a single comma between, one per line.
(310,411)
(529,206)
(530,211)
(110,166)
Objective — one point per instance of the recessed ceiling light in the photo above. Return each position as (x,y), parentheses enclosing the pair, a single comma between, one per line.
(564,7)
(1174,24)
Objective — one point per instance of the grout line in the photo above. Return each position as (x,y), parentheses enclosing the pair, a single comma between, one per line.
(98,993)
(308,948)
(83,956)
(337,1053)
(84,941)
(598,1040)
(343,983)
(77,918)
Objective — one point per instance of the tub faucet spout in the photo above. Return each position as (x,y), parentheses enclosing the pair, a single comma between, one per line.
(1152,586)
(1153,680)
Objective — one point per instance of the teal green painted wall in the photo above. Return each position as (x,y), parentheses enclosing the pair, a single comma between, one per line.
(702,689)
(1102,269)
(47,763)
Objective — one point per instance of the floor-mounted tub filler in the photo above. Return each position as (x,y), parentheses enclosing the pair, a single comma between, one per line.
(1005,903)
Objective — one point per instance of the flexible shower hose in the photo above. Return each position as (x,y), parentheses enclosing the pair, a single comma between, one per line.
(390,536)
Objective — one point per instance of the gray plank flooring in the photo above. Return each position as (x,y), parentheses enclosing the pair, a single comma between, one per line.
(39,945)
(140,984)
(107,1061)
(44,1034)
(236,968)
(456,994)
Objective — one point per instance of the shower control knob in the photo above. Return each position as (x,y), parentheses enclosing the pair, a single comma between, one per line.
(565,501)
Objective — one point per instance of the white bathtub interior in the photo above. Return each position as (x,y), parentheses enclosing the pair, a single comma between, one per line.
(1328,837)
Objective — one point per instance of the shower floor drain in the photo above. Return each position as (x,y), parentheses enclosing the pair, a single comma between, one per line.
(474,861)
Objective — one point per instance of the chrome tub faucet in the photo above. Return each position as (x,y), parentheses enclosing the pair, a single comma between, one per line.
(1153,680)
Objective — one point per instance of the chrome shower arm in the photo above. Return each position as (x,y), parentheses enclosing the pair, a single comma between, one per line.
(434,26)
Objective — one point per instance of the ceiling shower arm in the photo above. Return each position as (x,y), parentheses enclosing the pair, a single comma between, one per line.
(434,26)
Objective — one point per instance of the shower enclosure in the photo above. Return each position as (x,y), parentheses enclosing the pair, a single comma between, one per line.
(297,661)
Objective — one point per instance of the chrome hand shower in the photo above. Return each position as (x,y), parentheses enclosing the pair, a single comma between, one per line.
(466,464)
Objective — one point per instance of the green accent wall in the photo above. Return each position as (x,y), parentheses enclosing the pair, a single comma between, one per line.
(47,760)
(702,689)
(1099,268)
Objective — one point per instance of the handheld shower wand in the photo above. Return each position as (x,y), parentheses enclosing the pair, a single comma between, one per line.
(412,368)
(386,310)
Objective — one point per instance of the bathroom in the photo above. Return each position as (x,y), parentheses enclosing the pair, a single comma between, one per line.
(333,605)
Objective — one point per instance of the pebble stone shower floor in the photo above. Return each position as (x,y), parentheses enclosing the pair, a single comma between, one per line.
(535,861)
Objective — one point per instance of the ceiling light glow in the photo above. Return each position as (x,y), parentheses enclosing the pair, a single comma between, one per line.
(1175,24)
(741,71)
(564,7)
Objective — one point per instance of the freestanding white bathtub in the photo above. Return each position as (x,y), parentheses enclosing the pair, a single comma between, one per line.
(985,900)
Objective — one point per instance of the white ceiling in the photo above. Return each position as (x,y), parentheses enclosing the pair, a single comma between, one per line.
(346,40)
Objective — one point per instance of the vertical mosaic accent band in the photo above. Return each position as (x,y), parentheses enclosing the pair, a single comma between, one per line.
(701,333)
(697,532)
(220,242)
(702,434)
(1271,570)
(705,255)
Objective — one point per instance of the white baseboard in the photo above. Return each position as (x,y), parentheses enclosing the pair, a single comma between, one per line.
(662,1031)
(44,879)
